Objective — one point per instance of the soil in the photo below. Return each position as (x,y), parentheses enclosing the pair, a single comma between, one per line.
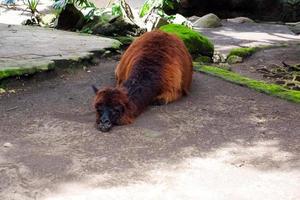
(223,141)
(264,65)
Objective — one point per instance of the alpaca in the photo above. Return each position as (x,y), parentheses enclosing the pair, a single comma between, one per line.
(155,69)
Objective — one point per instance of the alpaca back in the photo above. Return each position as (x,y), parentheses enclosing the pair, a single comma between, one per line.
(156,62)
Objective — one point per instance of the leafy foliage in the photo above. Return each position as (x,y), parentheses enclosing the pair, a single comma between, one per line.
(60,4)
(82,4)
(157,4)
(116,9)
(170,4)
(32,5)
(291,10)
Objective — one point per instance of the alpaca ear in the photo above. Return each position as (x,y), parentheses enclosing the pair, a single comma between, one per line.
(95,89)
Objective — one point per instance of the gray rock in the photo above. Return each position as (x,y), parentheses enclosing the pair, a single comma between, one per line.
(208,21)
(112,26)
(193,18)
(48,19)
(155,21)
(295,28)
(234,59)
(70,18)
(241,20)
(225,66)
(219,58)
(50,48)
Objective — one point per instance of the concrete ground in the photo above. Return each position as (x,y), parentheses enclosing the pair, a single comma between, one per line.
(35,48)
(221,142)
(233,35)
(267,59)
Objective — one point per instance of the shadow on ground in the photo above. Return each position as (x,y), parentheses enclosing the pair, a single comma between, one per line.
(223,141)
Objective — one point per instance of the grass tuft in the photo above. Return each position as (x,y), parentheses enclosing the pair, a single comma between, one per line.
(260,86)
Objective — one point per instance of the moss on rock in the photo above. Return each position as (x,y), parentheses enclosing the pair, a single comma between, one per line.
(242,52)
(203,59)
(23,70)
(208,21)
(233,59)
(196,43)
(125,40)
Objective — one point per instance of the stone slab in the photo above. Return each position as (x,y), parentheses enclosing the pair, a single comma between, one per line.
(25,49)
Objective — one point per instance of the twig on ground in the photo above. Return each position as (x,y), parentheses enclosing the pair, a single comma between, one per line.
(13,108)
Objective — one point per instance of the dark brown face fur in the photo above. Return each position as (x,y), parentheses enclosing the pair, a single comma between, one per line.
(110,105)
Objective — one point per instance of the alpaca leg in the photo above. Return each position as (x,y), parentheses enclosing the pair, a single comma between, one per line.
(168,96)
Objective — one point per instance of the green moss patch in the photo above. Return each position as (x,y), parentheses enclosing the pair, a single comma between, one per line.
(233,59)
(125,40)
(196,43)
(18,71)
(242,52)
(203,59)
(271,89)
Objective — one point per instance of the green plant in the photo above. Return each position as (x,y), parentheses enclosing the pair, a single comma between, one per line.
(32,5)
(158,4)
(87,30)
(61,4)
(82,4)
(116,9)
(291,10)
(170,4)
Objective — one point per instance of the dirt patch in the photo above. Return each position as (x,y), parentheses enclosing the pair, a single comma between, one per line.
(276,65)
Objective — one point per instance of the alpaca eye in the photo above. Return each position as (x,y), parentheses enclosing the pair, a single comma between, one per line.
(119,109)
(115,112)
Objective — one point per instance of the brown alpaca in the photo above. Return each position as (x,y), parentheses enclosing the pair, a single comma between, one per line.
(155,69)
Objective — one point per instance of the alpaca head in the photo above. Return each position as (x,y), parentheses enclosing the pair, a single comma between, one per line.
(112,108)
